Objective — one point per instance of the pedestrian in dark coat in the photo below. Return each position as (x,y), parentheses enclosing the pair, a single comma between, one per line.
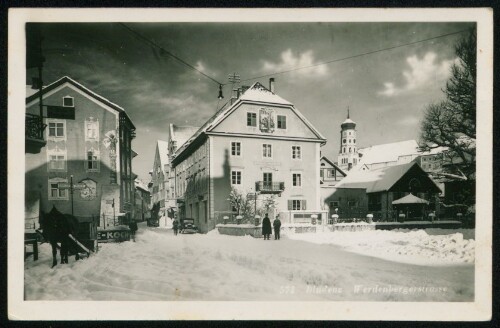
(277,227)
(133,228)
(266,227)
(175,226)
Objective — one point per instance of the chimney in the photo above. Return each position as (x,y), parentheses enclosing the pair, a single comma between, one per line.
(271,84)
(234,96)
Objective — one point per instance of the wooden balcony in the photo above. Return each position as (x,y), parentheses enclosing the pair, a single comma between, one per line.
(34,128)
(269,187)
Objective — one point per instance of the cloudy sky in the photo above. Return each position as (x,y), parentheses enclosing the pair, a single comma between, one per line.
(386,91)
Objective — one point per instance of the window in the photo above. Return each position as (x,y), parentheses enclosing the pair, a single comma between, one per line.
(343,141)
(343,150)
(296,204)
(235,148)
(297,179)
(92,160)
(350,150)
(56,129)
(55,191)
(57,162)
(334,204)
(267,151)
(354,141)
(268,179)
(236,177)
(281,121)
(91,130)
(351,203)
(68,102)
(251,119)
(331,173)
(296,154)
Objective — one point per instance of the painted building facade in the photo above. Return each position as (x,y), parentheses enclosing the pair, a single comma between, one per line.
(92,148)
(261,144)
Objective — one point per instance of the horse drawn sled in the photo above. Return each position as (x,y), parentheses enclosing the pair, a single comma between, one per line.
(72,235)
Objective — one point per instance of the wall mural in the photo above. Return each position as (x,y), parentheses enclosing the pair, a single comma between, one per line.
(90,190)
(266,121)
(109,142)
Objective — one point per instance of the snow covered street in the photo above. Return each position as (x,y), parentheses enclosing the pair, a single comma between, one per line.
(161,266)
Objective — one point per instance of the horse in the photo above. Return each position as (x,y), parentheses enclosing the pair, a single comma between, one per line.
(56,228)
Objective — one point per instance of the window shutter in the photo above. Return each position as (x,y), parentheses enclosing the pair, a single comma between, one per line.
(303,204)
(289,204)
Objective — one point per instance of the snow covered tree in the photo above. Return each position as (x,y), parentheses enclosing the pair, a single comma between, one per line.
(452,122)
(240,203)
(268,203)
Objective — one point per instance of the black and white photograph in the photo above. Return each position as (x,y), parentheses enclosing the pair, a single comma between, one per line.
(321,161)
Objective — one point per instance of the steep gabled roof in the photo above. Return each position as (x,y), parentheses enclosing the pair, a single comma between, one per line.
(333,164)
(181,134)
(85,90)
(256,93)
(162,147)
(375,180)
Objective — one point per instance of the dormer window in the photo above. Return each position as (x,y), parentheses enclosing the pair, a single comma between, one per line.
(68,101)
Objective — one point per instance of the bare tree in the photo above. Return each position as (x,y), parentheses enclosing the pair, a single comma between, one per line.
(452,122)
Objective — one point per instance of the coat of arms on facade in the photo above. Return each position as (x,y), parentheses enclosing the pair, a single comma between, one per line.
(266,122)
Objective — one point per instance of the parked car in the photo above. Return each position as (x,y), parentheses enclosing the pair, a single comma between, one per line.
(188,226)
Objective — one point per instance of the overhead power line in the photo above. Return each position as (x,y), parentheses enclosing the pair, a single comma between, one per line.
(165,51)
(356,56)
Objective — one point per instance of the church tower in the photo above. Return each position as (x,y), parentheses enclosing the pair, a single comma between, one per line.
(348,153)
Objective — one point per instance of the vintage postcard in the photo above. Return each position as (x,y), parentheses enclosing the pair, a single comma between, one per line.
(250,164)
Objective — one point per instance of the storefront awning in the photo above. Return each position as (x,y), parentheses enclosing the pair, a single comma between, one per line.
(410,199)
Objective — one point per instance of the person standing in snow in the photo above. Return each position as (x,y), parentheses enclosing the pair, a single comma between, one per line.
(277,227)
(266,227)
(133,228)
(175,226)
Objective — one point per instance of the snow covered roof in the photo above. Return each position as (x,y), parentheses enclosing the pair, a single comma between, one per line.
(410,199)
(389,152)
(258,93)
(348,120)
(375,180)
(67,79)
(140,185)
(333,164)
(163,151)
(181,134)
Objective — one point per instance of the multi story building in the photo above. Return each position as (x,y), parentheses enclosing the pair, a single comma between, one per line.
(142,201)
(259,145)
(88,145)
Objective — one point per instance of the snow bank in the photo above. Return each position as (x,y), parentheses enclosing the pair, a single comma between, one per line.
(423,247)
(213,267)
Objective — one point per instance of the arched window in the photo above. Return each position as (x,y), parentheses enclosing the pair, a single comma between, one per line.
(354,140)
(344,150)
(349,149)
(344,140)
